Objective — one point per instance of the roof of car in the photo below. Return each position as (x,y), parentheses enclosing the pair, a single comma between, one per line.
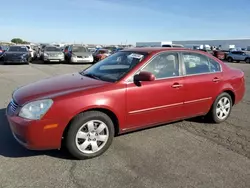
(152,49)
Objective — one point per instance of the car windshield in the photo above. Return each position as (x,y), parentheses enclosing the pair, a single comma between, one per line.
(79,49)
(17,49)
(52,48)
(114,67)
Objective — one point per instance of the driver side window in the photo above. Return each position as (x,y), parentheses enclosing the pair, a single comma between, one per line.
(165,65)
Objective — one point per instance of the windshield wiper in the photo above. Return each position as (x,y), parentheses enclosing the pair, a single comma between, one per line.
(91,75)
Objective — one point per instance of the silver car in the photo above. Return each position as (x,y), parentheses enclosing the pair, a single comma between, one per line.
(52,54)
(238,56)
(79,54)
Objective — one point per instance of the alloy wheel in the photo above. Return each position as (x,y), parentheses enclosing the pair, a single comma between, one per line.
(92,136)
(223,108)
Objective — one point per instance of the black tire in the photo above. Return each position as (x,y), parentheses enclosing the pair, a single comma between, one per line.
(247,60)
(77,123)
(212,116)
(229,59)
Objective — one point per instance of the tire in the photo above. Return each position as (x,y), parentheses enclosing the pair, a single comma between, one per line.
(229,59)
(29,59)
(89,138)
(247,60)
(214,114)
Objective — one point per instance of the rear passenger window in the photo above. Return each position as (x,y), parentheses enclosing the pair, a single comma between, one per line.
(214,66)
(195,63)
(199,64)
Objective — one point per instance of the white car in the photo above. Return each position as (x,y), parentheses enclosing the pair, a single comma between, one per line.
(32,51)
(78,54)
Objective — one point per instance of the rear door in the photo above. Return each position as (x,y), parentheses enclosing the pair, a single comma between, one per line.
(202,81)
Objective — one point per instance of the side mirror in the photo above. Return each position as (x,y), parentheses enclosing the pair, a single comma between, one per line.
(144,76)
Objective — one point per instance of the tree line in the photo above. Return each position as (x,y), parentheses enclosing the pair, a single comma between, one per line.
(19,41)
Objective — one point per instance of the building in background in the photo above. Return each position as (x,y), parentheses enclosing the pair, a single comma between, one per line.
(153,44)
(223,44)
(243,44)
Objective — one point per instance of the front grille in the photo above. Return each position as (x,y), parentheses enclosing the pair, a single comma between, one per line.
(13,106)
(79,56)
(13,58)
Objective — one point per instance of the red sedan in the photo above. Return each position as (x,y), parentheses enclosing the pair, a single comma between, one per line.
(129,90)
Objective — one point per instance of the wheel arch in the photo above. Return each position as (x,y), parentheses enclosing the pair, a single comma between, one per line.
(231,93)
(246,58)
(108,112)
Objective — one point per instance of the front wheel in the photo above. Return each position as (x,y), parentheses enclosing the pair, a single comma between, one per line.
(221,108)
(229,59)
(247,60)
(90,134)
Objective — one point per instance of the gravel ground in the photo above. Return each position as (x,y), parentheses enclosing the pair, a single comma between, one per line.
(184,154)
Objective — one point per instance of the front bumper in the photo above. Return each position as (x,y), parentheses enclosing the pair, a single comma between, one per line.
(82,60)
(15,60)
(34,134)
(54,59)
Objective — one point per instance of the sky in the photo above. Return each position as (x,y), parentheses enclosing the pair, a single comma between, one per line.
(123,21)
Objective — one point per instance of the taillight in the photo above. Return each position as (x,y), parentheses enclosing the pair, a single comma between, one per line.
(1,51)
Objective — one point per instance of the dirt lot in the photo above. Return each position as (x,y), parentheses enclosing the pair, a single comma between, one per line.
(184,154)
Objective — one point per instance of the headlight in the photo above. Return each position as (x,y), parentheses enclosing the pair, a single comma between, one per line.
(24,55)
(45,54)
(35,110)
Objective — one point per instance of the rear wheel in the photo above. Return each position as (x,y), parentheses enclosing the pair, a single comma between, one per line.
(90,135)
(29,59)
(221,108)
(229,59)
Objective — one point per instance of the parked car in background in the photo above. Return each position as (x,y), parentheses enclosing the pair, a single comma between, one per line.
(101,54)
(210,51)
(238,56)
(92,50)
(78,54)
(32,52)
(16,54)
(52,54)
(129,90)
(116,50)
(220,54)
(2,50)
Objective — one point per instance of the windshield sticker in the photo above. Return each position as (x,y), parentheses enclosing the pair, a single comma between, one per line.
(136,56)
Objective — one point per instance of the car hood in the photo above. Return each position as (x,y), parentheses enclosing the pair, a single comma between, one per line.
(55,86)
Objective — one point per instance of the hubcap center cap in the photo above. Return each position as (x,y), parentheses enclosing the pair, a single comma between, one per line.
(92,135)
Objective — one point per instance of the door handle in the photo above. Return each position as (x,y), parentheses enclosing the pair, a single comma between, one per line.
(176,85)
(216,79)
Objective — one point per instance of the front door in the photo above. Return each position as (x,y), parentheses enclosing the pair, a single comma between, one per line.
(159,101)
(202,80)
